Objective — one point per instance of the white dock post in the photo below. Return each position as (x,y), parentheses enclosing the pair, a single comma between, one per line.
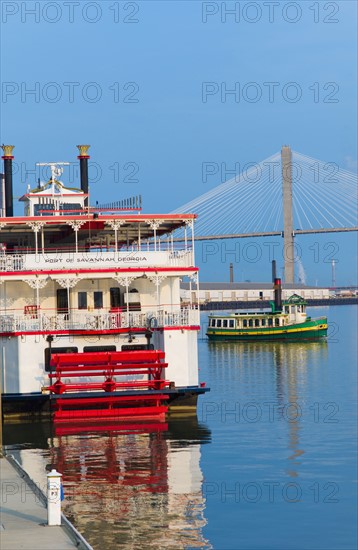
(54,498)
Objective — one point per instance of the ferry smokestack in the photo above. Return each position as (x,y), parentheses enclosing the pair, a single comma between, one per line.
(231,273)
(8,158)
(278,294)
(273,270)
(83,158)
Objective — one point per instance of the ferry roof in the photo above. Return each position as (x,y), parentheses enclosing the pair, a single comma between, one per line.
(95,227)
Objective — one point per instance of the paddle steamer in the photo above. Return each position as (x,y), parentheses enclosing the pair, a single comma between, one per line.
(91,322)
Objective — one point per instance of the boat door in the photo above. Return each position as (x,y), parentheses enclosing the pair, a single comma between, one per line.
(62,301)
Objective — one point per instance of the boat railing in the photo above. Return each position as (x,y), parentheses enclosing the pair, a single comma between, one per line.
(94,321)
(67,259)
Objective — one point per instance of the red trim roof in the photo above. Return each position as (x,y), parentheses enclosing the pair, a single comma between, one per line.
(128,218)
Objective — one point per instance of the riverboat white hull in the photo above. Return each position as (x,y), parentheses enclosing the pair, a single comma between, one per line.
(77,283)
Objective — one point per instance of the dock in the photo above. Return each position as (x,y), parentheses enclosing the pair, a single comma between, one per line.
(23,520)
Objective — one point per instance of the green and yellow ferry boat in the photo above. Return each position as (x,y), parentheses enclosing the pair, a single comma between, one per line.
(287,320)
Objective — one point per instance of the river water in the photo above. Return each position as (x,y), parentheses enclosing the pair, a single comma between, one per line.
(270,462)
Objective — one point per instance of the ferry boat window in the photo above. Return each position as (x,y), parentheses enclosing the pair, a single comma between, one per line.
(218,323)
(270,323)
(244,323)
(263,322)
(277,322)
(98,300)
(257,322)
(231,323)
(225,323)
(213,322)
(251,322)
(82,300)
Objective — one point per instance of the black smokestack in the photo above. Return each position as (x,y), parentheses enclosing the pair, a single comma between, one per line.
(273,270)
(278,294)
(83,158)
(8,158)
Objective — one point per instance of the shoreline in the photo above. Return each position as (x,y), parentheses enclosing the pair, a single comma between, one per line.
(262,304)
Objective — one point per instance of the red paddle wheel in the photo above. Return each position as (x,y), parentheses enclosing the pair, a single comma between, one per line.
(108,386)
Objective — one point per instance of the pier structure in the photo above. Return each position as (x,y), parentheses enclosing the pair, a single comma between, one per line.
(24,515)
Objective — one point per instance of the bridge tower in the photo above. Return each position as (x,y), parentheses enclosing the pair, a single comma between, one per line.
(288,235)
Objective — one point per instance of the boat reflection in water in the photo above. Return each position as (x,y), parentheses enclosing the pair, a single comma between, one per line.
(276,376)
(137,487)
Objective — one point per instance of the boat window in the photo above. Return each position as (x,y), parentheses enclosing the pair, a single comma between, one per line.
(68,207)
(225,323)
(98,300)
(231,323)
(62,301)
(263,322)
(218,323)
(251,322)
(82,300)
(277,322)
(257,322)
(115,297)
(65,349)
(136,347)
(270,323)
(213,322)
(99,348)
(244,323)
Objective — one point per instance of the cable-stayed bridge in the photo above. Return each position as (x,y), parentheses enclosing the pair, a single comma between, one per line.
(287,194)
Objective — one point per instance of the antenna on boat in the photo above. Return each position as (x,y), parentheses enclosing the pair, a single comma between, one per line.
(55,167)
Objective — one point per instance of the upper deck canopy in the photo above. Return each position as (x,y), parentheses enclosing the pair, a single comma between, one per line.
(92,229)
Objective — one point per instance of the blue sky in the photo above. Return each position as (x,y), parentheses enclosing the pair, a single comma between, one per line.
(128,78)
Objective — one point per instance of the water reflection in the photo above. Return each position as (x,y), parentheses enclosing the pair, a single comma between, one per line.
(273,373)
(129,488)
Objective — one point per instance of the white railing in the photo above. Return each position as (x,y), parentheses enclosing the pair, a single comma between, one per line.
(72,260)
(181,258)
(12,262)
(98,321)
